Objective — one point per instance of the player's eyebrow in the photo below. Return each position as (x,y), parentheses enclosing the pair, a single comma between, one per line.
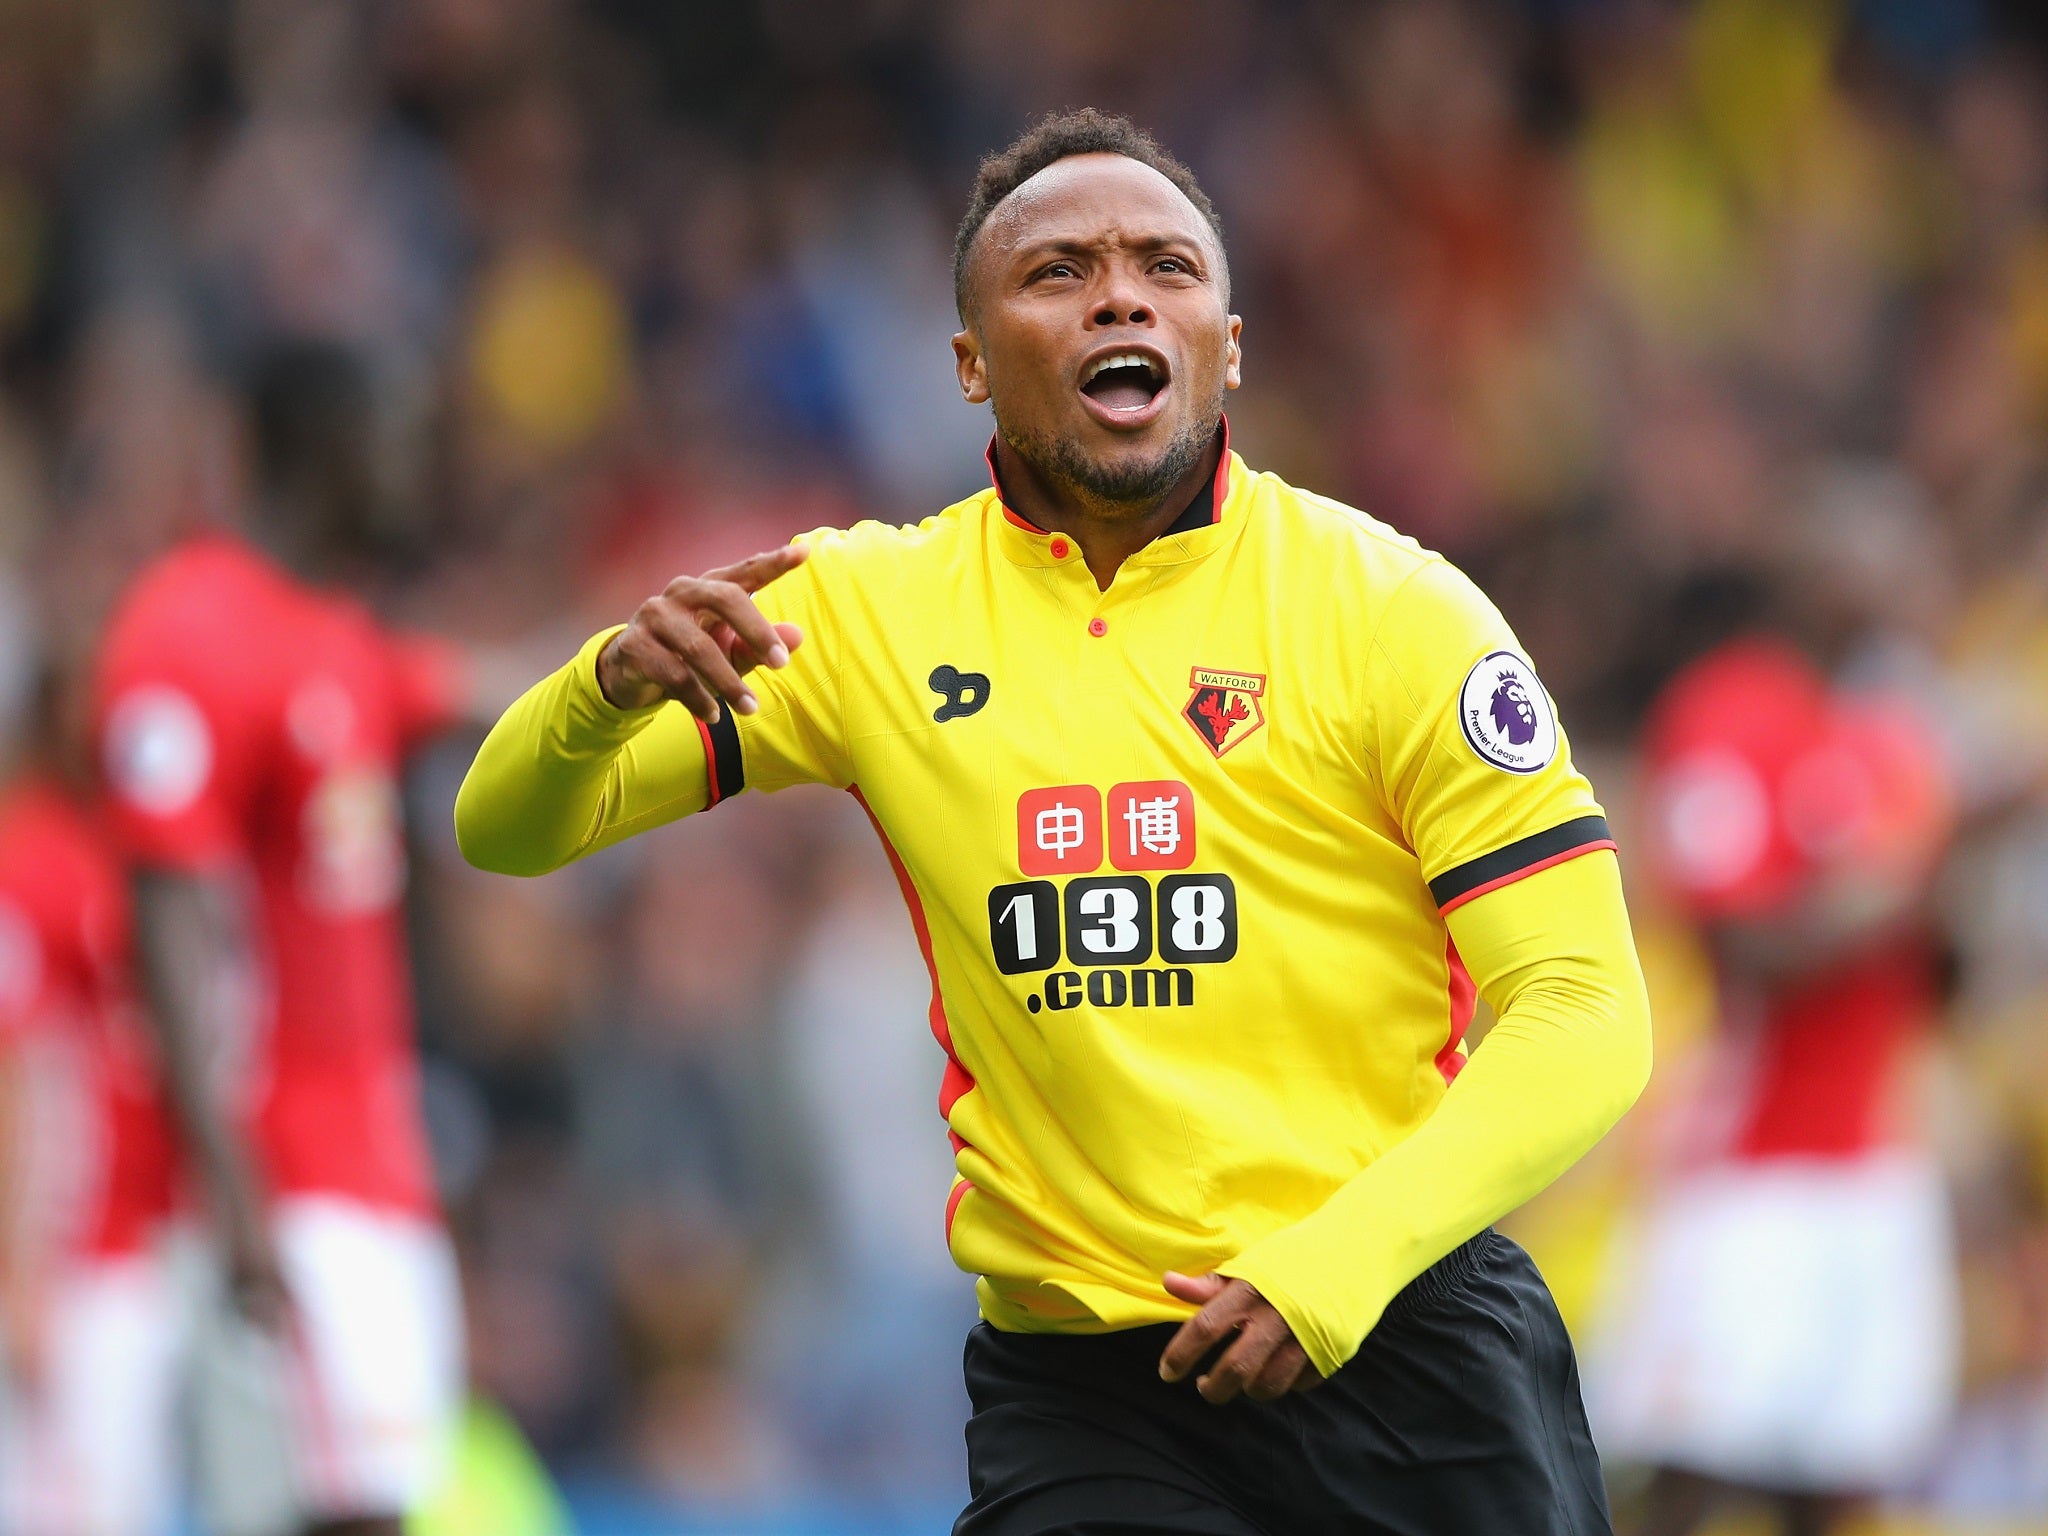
(1069,245)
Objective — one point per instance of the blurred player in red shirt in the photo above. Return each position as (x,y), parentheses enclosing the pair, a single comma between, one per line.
(1791,1328)
(92,1336)
(252,727)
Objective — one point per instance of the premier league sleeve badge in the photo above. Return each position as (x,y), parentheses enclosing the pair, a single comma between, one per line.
(1506,716)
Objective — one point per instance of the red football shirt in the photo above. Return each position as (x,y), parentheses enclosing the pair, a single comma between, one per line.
(1822,1079)
(251,725)
(1763,782)
(64,967)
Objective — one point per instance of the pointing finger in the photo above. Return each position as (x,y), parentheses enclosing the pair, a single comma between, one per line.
(743,658)
(695,652)
(678,682)
(727,603)
(756,571)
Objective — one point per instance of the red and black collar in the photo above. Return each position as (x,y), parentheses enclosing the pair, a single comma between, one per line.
(1204,508)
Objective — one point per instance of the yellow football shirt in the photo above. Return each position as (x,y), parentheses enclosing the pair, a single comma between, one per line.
(1179,855)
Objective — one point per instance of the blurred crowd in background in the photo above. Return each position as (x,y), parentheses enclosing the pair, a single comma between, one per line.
(1666,321)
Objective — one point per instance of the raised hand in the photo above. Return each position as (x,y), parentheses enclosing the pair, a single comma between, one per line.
(695,639)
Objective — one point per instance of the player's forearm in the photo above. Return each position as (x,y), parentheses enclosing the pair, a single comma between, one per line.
(23,1256)
(14,1141)
(182,928)
(563,773)
(1568,1055)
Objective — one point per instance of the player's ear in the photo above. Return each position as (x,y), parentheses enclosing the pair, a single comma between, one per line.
(968,365)
(1232,357)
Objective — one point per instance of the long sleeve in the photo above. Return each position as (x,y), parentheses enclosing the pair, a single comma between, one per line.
(1552,953)
(564,773)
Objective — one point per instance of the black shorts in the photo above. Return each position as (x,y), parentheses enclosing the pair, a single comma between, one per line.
(1461,1413)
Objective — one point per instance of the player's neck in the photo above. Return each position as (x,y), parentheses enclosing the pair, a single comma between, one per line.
(50,760)
(1108,533)
(298,545)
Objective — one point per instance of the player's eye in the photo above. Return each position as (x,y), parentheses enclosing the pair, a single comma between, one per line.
(1059,269)
(1172,265)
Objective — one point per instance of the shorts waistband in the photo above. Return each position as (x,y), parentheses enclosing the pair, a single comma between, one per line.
(1446,1277)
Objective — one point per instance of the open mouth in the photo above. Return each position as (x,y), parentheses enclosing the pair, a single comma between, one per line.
(1124,381)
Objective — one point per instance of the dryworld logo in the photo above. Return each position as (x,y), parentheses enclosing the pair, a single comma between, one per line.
(965,692)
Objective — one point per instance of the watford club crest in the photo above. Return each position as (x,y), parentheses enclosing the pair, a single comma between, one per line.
(1225,708)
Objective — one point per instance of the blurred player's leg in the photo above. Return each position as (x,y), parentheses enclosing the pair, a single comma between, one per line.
(374,1377)
(345,1424)
(1818,1514)
(1791,1332)
(90,1445)
(1676,1503)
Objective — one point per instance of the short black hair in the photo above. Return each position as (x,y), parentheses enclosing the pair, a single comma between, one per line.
(312,406)
(313,410)
(1055,137)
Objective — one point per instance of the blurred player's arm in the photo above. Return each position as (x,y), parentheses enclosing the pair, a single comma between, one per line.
(25,961)
(593,753)
(1554,956)
(187,935)
(21,1310)
(441,685)
(185,746)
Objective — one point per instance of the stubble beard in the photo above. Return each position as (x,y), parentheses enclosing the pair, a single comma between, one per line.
(1127,489)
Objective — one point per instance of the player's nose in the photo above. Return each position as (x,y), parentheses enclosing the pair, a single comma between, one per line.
(1119,301)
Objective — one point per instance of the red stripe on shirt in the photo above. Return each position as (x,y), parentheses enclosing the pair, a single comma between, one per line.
(1221,491)
(989,457)
(957,1080)
(710,762)
(1464,998)
(953,1205)
(1526,870)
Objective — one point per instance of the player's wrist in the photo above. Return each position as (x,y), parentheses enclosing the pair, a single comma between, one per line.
(621,684)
